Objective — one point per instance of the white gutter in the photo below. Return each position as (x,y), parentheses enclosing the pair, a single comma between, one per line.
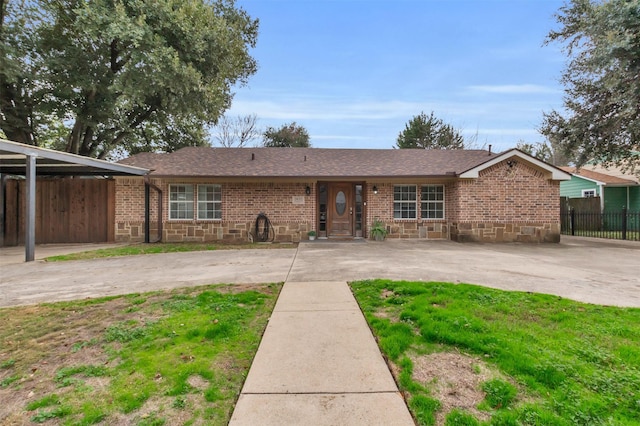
(601,186)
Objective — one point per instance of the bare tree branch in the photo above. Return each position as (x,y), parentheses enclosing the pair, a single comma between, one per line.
(237,131)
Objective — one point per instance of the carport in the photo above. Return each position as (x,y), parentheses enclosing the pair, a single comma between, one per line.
(30,161)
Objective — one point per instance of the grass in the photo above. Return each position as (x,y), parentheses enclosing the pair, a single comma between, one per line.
(563,362)
(155,248)
(176,357)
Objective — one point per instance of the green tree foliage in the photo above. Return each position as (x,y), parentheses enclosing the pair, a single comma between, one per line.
(429,132)
(602,88)
(122,75)
(288,136)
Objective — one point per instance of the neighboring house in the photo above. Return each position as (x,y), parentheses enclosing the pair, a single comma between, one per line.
(615,189)
(209,194)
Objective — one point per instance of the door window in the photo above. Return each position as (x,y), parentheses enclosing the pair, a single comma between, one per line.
(341,203)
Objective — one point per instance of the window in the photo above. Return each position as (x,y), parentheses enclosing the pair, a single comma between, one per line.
(180,201)
(404,202)
(209,202)
(432,202)
(588,193)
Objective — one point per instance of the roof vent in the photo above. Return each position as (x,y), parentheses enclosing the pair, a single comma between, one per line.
(305,158)
(253,156)
(489,149)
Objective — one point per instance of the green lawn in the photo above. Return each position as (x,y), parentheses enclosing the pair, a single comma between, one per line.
(155,248)
(553,361)
(160,358)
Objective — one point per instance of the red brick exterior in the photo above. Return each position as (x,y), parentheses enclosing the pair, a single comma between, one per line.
(288,207)
(505,203)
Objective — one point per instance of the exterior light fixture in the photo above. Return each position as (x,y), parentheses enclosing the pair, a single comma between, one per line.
(375,189)
(307,190)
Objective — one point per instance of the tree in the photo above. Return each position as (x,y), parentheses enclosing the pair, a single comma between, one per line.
(288,136)
(429,132)
(120,75)
(237,131)
(602,88)
(545,151)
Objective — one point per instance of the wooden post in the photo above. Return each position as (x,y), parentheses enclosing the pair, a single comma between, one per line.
(573,221)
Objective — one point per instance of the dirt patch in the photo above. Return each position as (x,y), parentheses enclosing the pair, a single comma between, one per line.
(455,380)
(198,382)
(37,341)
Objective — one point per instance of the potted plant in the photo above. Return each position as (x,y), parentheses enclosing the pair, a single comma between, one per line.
(378,230)
(312,235)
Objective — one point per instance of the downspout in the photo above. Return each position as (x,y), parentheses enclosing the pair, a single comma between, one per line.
(159,191)
(146,210)
(147,214)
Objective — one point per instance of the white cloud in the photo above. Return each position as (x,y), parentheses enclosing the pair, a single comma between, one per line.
(339,137)
(312,108)
(514,89)
(502,132)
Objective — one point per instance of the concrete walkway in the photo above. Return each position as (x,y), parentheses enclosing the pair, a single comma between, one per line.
(318,364)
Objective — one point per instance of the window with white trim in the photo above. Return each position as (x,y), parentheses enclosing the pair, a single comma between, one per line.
(432,202)
(404,202)
(588,193)
(209,202)
(180,202)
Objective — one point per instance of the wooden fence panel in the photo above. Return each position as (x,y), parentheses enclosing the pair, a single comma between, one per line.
(11,226)
(67,211)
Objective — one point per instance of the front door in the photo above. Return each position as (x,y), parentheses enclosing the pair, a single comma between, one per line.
(340,210)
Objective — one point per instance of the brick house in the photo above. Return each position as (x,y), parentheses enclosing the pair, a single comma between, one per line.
(210,194)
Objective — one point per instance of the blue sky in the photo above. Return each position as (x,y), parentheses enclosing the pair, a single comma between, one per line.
(354,72)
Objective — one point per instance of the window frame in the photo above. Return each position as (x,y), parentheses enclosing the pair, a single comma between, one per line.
(217,212)
(425,202)
(586,192)
(406,202)
(178,202)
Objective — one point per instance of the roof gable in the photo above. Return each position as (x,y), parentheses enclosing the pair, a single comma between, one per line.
(555,172)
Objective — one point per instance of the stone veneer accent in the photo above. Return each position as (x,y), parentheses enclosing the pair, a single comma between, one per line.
(506,232)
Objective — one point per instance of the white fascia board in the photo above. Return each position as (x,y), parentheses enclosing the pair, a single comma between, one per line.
(589,179)
(556,173)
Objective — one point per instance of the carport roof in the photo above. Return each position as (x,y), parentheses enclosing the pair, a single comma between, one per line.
(13,161)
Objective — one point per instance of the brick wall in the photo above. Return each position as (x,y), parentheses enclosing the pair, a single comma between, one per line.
(506,203)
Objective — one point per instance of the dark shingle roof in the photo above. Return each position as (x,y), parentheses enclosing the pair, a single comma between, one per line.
(309,162)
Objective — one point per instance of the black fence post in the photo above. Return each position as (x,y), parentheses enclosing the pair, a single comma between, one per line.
(624,223)
(573,221)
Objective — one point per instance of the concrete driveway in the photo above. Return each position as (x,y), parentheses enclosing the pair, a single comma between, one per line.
(588,270)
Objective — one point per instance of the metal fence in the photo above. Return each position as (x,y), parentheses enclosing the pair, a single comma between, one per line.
(620,225)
